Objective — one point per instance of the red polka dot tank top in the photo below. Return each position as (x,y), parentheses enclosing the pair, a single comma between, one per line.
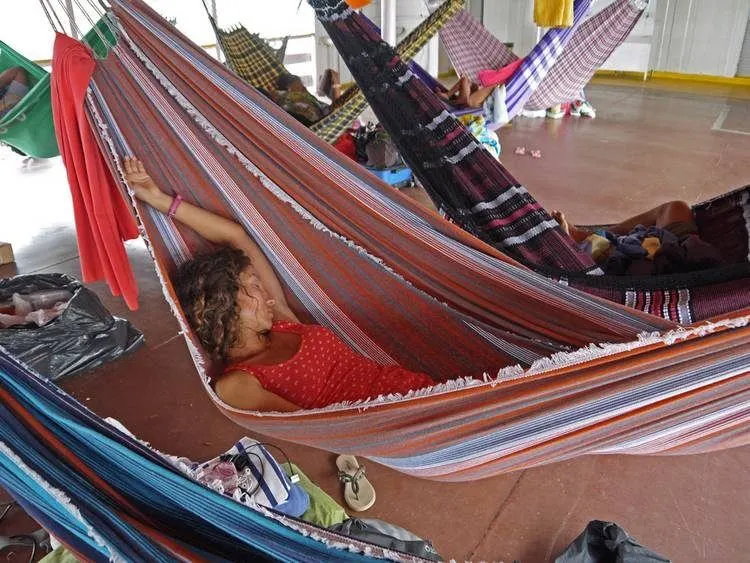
(325,370)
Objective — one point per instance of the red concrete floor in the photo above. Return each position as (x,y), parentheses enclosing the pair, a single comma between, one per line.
(647,145)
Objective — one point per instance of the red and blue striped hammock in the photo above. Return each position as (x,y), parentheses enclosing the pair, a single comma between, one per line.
(518,382)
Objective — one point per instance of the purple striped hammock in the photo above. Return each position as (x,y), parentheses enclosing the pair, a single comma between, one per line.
(518,382)
(472,49)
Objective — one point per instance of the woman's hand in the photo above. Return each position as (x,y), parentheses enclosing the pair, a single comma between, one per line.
(143,185)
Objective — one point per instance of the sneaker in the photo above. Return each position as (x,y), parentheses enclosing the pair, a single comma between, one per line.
(533,113)
(581,108)
(555,112)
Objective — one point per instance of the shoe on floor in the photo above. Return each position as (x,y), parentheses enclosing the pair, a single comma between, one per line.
(358,491)
(533,113)
(581,108)
(555,112)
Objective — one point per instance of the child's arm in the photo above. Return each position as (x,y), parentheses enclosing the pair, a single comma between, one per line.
(212,227)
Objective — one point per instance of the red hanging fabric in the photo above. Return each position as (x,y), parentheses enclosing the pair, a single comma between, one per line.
(103,219)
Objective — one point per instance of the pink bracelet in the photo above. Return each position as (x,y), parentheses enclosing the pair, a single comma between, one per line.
(175,204)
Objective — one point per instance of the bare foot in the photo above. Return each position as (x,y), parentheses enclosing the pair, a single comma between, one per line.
(559,216)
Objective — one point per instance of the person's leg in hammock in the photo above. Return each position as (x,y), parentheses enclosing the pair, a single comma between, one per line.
(465,93)
(13,87)
(675,216)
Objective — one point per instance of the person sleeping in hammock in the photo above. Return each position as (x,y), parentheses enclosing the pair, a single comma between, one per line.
(663,240)
(14,85)
(466,94)
(292,95)
(235,304)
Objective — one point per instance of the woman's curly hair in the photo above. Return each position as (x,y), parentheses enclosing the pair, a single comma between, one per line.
(207,288)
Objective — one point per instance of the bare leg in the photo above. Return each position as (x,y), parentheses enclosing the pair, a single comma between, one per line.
(15,73)
(477,98)
(455,89)
(661,216)
(575,233)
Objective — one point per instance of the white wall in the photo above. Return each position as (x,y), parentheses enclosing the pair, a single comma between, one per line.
(699,36)
(512,21)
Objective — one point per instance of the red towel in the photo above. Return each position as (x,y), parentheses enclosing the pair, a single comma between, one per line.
(103,218)
(499,76)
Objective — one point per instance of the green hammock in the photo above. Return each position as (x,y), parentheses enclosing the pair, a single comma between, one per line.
(28,126)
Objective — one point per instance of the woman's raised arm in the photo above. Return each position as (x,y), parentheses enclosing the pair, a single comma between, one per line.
(212,227)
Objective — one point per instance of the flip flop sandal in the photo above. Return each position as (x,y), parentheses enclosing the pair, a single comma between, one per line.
(358,491)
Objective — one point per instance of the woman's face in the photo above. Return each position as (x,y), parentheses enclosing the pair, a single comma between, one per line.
(256,307)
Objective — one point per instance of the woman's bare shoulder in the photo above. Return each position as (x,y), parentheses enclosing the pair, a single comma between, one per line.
(239,388)
(242,390)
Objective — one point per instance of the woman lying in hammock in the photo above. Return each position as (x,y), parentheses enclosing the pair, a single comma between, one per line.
(292,95)
(236,306)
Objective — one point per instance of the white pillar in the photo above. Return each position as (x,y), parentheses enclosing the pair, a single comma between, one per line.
(433,56)
(388,21)
(433,46)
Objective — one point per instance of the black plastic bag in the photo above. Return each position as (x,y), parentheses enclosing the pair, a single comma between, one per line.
(388,536)
(606,542)
(83,337)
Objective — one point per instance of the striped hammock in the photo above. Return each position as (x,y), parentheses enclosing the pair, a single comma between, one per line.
(257,63)
(108,497)
(397,282)
(473,49)
(478,193)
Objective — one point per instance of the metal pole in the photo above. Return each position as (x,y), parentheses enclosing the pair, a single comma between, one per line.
(72,16)
(215,15)
(388,21)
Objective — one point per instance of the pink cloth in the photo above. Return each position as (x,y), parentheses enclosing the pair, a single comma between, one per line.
(103,218)
(325,370)
(499,76)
